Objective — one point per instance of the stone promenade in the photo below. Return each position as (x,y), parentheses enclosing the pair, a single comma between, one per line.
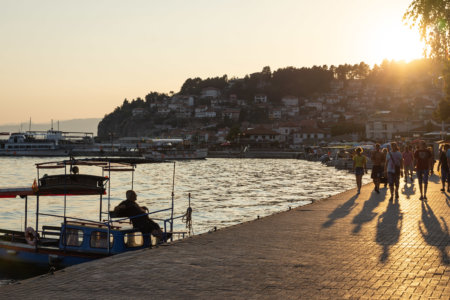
(345,246)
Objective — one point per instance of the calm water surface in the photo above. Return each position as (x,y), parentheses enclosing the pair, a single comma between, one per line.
(223,191)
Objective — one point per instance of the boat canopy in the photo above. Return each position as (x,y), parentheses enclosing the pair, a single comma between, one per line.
(68,184)
(105,165)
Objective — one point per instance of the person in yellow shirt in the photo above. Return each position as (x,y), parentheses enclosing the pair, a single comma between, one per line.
(359,167)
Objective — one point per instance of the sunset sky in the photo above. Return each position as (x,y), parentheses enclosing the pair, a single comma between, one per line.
(80,59)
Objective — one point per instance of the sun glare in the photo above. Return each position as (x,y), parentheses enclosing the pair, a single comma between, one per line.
(396,42)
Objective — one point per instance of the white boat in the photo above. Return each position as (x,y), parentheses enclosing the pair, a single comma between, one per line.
(43,143)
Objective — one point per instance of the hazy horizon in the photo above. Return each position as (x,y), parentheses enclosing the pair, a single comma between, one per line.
(77,125)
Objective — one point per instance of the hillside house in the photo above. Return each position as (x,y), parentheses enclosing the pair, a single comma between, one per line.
(163,110)
(261,135)
(275,114)
(290,101)
(309,134)
(210,92)
(384,125)
(260,98)
(203,111)
(232,114)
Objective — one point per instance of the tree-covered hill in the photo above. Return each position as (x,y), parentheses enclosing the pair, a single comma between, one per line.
(290,81)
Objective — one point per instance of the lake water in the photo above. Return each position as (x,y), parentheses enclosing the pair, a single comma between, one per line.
(223,192)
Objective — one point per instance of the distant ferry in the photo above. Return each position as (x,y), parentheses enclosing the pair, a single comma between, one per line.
(43,143)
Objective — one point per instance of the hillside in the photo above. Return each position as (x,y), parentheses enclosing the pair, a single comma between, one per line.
(340,100)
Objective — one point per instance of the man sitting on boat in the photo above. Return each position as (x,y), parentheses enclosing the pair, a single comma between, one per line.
(129,208)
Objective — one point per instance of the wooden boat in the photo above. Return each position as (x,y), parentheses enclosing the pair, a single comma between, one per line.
(75,240)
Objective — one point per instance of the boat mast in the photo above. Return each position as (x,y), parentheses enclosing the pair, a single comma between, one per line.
(173,194)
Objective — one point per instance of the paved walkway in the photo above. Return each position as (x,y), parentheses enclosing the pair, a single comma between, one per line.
(346,246)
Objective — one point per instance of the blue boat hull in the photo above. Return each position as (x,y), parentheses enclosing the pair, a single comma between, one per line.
(43,257)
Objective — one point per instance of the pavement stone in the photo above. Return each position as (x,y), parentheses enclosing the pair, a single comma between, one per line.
(348,246)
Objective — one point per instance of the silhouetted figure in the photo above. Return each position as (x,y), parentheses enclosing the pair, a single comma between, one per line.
(422,158)
(377,168)
(129,208)
(359,167)
(443,167)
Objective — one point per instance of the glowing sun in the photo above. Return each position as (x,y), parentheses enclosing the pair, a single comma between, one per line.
(395,41)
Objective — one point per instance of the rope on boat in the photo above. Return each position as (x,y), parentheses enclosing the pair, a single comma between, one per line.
(187,218)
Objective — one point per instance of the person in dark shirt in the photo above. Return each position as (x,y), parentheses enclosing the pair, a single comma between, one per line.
(443,165)
(422,157)
(129,208)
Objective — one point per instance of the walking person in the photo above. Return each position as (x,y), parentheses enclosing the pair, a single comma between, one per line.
(359,167)
(377,158)
(443,165)
(408,163)
(422,158)
(393,169)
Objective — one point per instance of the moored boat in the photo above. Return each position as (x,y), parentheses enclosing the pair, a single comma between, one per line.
(73,239)
(172,149)
(44,143)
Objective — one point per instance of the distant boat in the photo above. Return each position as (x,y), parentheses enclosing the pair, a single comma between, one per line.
(43,143)
(172,149)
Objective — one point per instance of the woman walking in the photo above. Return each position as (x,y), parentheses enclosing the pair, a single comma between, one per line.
(359,167)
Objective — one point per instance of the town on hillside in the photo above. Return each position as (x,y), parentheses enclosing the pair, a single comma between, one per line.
(290,108)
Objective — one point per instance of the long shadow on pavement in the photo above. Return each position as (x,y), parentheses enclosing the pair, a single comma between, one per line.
(434,178)
(408,190)
(433,232)
(389,226)
(447,199)
(341,211)
(366,214)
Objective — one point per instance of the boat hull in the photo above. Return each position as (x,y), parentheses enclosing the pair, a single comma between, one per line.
(43,258)
(38,153)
